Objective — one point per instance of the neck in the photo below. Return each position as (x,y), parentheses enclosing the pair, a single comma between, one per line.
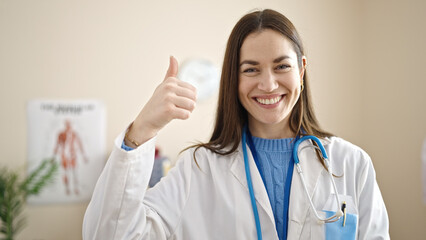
(271,131)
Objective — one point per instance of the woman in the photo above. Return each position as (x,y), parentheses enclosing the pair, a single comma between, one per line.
(264,98)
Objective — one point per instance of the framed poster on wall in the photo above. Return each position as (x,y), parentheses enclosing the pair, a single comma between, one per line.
(72,133)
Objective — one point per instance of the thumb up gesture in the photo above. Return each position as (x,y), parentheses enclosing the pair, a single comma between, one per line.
(172,99)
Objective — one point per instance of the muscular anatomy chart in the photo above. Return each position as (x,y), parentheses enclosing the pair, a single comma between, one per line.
(73,134)
(68,145)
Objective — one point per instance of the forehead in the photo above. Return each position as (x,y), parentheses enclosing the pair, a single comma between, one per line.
(266,45)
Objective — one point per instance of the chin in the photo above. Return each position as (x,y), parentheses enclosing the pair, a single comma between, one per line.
(270,121)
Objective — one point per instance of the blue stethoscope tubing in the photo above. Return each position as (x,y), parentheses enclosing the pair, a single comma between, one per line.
(339,212)
(250,187)
(333,218)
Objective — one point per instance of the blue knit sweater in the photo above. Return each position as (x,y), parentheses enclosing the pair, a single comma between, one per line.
(273,158)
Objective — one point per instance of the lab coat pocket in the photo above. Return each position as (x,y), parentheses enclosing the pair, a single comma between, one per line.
(346,226)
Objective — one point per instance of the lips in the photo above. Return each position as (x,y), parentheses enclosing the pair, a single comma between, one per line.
(269,100)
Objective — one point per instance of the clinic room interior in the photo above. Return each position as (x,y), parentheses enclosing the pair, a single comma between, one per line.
(365,61)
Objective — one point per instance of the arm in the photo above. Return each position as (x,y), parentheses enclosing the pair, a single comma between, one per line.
(119,209)
(373,217)
(116,202)
(123,208)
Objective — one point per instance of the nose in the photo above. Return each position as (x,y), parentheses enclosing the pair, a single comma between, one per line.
(268,81)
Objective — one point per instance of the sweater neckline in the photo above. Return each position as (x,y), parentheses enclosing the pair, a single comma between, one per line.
(276,145)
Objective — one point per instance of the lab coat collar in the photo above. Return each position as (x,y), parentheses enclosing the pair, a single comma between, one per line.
(299,204)
(261,196)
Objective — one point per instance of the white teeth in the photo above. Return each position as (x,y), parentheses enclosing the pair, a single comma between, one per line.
(269,101)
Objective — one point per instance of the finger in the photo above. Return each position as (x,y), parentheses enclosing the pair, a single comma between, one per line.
(173,68)
(187,85)
(184,103)
(181,113)
(187,93)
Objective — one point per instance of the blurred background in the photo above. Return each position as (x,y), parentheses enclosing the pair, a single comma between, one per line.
(365,61)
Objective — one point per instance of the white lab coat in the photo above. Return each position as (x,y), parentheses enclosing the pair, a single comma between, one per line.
(213,201)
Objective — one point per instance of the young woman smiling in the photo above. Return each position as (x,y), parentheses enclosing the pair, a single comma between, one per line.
(240,184)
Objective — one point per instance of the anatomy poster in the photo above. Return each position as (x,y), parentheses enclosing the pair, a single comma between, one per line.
(73,134)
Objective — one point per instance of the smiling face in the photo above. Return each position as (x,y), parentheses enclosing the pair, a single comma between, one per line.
(269,82)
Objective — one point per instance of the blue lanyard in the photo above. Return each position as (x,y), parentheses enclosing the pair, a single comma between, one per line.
(250,186)
(246,139)
(252,148)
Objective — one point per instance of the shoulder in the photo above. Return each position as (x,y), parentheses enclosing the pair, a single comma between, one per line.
(338,145)
(351,162)
(345,152)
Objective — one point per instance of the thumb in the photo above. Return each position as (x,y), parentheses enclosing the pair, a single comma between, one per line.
(173,68)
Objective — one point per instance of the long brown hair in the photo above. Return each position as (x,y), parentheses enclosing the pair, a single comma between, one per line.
(231,115)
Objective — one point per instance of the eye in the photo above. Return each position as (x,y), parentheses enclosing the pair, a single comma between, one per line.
(250,70)
(283,67)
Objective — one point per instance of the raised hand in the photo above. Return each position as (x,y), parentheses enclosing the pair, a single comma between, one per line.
(172,99)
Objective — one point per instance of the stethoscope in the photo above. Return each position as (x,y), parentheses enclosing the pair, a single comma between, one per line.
(333,218)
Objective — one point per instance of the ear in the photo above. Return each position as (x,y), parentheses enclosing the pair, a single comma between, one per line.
(303,69)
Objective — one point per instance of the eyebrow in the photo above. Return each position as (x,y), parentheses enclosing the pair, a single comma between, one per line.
(252,62)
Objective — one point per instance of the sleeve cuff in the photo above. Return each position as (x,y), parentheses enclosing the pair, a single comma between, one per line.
(125,147)
(120,145)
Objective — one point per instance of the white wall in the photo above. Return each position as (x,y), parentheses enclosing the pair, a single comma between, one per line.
(118,52)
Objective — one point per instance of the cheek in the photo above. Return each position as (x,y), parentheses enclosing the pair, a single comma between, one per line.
(293,82)
(243,87)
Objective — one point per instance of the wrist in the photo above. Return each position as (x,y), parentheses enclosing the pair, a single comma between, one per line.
(137,135)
